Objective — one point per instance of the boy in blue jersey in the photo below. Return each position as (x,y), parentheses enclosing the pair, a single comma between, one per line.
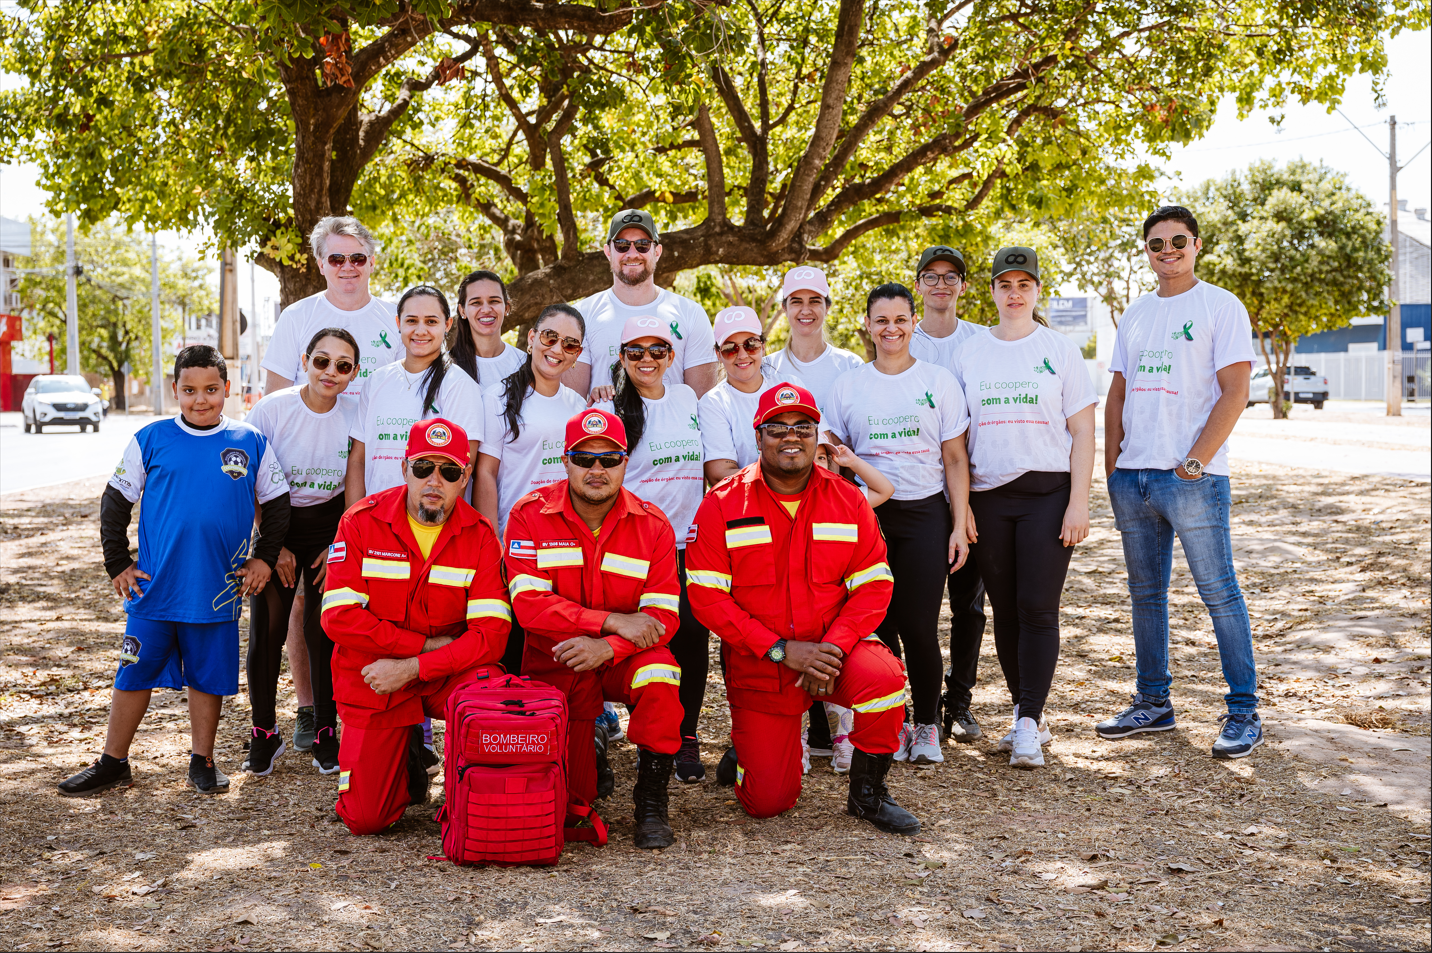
(200,475)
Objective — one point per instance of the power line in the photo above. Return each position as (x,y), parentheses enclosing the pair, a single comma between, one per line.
(1274,142)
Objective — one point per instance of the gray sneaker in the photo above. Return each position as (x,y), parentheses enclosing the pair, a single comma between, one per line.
(1240,735)
(303,729)
(925,745)
(1142,715)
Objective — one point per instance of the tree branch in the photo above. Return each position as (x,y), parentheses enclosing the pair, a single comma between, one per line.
(571,242)
(755,143)
(715,170)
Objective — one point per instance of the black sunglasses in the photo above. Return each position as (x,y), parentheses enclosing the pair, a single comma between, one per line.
(340,365)
(751,346)
(782,431)
(635,352)
(585,459)
(422,469)
(549,337)
(358,260)
(624,245)
(1156,245)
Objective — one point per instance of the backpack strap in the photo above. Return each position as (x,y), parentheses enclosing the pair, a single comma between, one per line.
(584,824)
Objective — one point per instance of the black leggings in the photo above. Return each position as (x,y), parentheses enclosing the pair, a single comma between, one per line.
(310,531)
(1023,564)
(917,537)
(690,646)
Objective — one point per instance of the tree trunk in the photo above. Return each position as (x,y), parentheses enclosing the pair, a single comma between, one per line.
(121,399)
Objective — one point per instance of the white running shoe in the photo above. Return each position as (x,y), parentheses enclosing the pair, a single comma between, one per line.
(805,754)
(1027,751)
(907,737)
(842,723)
(925,746)
(1006,744)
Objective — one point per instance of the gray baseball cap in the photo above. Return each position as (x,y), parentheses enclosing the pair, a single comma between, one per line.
(633,218)
(941,253)
(1015,258)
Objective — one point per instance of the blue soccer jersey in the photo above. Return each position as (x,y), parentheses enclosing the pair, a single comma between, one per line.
(197,514)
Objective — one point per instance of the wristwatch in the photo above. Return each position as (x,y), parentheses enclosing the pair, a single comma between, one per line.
(777,652)
(1192,467)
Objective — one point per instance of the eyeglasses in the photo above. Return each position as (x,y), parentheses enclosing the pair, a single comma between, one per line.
(548,337)
(751,346)
(950,278)
(782,431)
(624,245)
(585,460)
(357,260)
(422,469)
(340,365)
(635,352)
(1156,245)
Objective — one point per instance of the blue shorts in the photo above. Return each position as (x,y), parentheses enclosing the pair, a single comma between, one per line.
(202,656)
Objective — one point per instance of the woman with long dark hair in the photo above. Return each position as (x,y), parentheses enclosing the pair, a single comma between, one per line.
(477,347)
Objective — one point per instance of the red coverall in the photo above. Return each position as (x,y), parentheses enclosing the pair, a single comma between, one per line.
(383,600)
(565,582)
(755,575)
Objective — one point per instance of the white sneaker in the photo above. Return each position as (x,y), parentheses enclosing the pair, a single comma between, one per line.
(1027,751)
(842,723)
(1006,744)
(805,755)
(925,748)
(907,738)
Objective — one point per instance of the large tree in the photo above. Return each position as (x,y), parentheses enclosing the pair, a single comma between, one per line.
(1299,246)
(759,131)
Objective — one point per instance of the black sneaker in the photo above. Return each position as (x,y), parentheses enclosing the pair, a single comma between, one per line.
(98,777)
(430,759)
(961,726)
(727,769)
(265,748)
(689,769)
(303,733)
(606,780)
(325,751)
(418,776)
(206,777)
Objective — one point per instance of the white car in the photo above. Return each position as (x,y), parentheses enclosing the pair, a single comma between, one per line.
(61,399)
(1301,385)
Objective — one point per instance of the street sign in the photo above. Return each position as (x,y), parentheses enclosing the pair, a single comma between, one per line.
(1069,314)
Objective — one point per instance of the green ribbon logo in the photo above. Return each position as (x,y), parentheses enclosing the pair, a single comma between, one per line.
(1186,333)
(383,336)
(676,331)
(1047,366)
(926,401)
(695,424)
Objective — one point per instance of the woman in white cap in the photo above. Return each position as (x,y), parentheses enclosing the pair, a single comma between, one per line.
(664,468)
(805,296)
(1031,448)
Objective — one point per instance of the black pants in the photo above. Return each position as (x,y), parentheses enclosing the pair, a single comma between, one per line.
(689,646)
(1023,564)
(967,625)
(310,531)
(516,645)
(917,537)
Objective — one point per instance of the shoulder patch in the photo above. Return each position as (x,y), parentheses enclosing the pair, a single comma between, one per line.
(338,552)
(522,549)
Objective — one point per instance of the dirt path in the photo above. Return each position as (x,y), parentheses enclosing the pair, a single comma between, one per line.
(1320,841)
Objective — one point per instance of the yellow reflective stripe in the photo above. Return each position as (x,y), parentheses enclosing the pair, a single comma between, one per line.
(747,536)
(893,700)
(870,574)
(661,600)
(709,578)
(565,558)
(740,774)
(385,568)
(451,576)
(334,598)
(647,674)
(872,637)
(625,565)
(526,583)
(835,532)
(344,780)
(488,609)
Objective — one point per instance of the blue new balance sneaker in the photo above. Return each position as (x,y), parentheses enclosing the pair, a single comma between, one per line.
(608,719)
(1240,735)
(1142,715)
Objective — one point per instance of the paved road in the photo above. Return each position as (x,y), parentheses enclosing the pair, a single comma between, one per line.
(60,455)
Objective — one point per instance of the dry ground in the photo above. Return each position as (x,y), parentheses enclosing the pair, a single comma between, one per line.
(1319,841)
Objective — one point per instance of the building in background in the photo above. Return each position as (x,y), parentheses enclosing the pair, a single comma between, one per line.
(14,243)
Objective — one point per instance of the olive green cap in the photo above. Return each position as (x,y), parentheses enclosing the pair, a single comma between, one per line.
(941,253)
(1015,258)
(633,218)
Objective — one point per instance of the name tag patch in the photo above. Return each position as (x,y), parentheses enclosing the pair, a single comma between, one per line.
(559,554)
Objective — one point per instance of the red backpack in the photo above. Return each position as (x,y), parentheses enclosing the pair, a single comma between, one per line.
(505,774)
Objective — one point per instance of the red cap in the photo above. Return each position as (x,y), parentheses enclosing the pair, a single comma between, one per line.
(439,438)
(784,398)
(590,424)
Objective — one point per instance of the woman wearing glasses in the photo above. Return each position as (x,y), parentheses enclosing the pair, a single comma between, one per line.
(307,427)
(477,347)
(526,418)
(664,447)
(907,418)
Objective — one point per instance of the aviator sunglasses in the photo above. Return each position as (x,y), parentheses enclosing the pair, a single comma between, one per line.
(635,352)
(1156,245)
(340,365)
(585,459)
(549,337)
(751,345)
(624,245)
(358,260)
(422,469)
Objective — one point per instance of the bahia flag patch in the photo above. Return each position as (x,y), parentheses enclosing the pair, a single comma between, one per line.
(522,549)
(337,552)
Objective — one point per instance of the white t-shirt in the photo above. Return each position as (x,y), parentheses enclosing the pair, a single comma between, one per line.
(665,466)
(374,326)
(897,423)
(820,374)
(1019,395)
(311,447)
(1170,351)
(695,343)
(727,415)
(942,351)
(492,371)
(392,402)
(534,459)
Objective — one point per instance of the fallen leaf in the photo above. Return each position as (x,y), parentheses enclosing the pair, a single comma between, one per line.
(1048,876)
(661,935)
(247,917)
(934,864)
(1184,867)
(975,914)
(143,855)
(1093,855)
(1168,939)
(1076,890)
(788,945)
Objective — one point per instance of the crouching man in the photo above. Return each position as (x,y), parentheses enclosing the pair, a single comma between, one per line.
(592,572)
(415,606)
(788,568)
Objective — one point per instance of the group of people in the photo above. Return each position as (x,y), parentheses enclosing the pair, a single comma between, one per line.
(435,505)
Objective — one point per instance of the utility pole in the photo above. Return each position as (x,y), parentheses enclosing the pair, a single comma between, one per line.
(72,308)
(254,330)
(156,343)
(1394,309)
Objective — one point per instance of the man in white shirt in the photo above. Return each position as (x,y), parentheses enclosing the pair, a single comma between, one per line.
(1181,364)
(805,297)
(634,247)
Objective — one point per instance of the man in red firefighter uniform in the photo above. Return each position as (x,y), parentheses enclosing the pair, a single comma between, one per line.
(788,568)
(415,605)
(592,573)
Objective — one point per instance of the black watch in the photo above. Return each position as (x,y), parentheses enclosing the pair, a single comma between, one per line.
(777,652)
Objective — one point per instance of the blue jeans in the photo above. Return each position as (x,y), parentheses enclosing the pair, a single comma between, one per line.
(1150,507)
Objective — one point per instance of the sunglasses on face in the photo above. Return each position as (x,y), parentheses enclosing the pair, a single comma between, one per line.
(585,460)
(340,365)
(548,337)
(951,278)
(1156,245)
(624,245)
(782,431)
(422,469)
(635,352)
(751,345)
(357,260)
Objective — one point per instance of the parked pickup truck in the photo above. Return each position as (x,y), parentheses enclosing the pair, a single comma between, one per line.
(1302,385)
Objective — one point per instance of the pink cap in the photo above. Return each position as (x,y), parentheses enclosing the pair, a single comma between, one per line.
(737,320)
(805,278)
(645,326)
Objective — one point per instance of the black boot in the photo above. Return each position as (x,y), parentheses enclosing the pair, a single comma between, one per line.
(726,769)
(870,800)
(653,773)
(606,781)
(417,771)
